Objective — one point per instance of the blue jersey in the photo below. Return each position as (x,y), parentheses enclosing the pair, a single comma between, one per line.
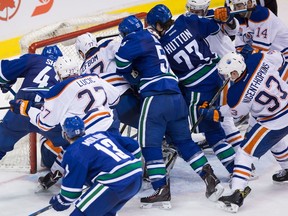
(142,58)
(37,71)
(113,161)
(188,51)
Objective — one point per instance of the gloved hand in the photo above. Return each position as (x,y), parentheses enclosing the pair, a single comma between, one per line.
(210,114)
(7,86)
(50,179)
(20,106)
(59,203)
(222,14)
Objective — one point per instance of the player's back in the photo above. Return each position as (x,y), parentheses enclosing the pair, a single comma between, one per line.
(262,90)
(184,43)
(144,53)
(37,70)
(87,96)
(101,61)
(102,159)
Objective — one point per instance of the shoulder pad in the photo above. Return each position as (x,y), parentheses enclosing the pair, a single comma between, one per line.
(260,14)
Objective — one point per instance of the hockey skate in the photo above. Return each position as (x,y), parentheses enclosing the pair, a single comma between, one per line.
(45,182)
(232,202)
(281,176)
(161,198)
(213,187)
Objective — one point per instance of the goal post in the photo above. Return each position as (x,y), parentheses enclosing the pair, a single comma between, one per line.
(63,35)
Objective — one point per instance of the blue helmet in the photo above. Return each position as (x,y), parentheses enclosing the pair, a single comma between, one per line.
(130,24)
(158,14)
(52,52)
(73,127)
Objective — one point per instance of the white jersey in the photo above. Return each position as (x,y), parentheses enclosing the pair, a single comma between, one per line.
(220,43)
(261,92)
(101,61)
(86,96)
(264,31)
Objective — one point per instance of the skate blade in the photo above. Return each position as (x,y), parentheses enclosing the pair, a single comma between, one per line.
(233,208)
(162,205)
(280,183)
(40,189)
(217,194)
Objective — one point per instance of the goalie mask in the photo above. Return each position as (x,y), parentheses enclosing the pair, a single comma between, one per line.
(73,127)
(65,67)
(229,63)
(84,43)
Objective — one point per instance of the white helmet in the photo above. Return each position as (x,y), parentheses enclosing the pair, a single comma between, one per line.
(231,62)
(85,42)
(66,67)
(198,5)
(245,2)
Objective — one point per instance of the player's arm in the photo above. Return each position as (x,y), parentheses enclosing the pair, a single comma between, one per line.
(113,94)
(72,183)
(129,144)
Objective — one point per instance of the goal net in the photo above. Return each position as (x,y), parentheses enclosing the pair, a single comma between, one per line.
(63,34)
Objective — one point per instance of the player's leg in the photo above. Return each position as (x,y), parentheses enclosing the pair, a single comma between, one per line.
(129,109)
(259,140)
(213,131)
(280,152)
(12,128)
(178,130)
(101,200)
(151,131)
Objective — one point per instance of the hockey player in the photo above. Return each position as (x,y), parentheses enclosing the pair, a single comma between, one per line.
(193,62)
(258,90)
(100,59)
(86,96)
(163,112)
(106,163)
(37,73)
(221,44)
(260,28)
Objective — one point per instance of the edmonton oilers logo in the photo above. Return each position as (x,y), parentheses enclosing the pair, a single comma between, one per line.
(8,9)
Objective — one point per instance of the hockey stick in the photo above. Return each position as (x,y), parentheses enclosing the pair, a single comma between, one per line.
(213,100)
(41,210)
(106,36)
(232,12)
(2,108)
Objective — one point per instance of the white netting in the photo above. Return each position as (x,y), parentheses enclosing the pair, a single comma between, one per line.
(62,28)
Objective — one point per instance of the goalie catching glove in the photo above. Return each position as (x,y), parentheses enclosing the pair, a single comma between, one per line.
(210,113)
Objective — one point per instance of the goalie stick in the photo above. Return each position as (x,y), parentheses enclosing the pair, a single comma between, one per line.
(213,100)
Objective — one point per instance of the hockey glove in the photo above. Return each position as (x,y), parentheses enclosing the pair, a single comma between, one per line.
(59,203)
(222,15)
(7,86)
(50,179)
(205,105)
(211,114)
(20,106)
